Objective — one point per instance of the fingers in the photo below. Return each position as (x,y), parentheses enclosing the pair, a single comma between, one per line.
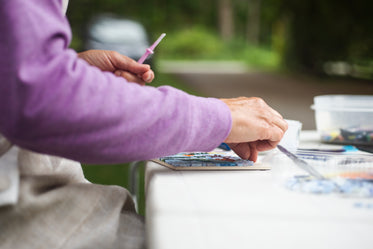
(148,76)
(265,145)
(250,151)
(121,65)
(125,63)
(129,77)
(254,152)
(280,123)
(274,124)
(242,150)
(255,126)
(252,120)
(246,151)
(274,131)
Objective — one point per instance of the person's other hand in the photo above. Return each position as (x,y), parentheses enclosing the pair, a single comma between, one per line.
(118,64)
(255,127)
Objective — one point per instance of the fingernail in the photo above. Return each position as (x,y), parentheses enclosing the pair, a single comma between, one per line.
(148,79)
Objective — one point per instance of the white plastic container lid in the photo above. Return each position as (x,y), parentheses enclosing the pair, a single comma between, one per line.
(349,103)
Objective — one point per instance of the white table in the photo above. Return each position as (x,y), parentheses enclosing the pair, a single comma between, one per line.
(249,209)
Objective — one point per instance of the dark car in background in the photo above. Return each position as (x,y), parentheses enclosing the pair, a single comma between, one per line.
(110,32)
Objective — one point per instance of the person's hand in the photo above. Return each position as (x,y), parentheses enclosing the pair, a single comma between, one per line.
(118,64)
(256,127)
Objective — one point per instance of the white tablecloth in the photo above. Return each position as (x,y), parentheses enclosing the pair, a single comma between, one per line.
(249,209)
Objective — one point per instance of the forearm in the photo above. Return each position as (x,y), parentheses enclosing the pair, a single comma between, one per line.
(52,102)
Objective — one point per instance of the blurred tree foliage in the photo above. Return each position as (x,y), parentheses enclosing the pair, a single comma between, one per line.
(307,34)
(335,30)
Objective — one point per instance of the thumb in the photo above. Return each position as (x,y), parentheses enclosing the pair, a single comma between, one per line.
(127,64)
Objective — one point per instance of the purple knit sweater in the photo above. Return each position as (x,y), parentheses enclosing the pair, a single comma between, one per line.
(53,102)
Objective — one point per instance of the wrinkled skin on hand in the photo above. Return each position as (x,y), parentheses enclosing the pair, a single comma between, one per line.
(255,127)
(118,64)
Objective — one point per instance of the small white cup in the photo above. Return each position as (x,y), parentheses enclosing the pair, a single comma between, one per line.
(291,137)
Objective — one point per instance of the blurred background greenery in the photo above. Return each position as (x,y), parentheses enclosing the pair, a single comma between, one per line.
(306,36)
(324,38)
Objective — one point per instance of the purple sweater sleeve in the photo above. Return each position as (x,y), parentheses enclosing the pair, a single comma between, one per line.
(53,102)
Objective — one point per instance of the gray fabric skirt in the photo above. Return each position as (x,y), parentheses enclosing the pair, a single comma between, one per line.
(58,208)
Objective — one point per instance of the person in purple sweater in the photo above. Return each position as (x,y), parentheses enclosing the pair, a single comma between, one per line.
(57,106)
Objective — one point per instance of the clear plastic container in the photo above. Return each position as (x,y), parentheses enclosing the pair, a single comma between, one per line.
(344,119)
(290,139)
